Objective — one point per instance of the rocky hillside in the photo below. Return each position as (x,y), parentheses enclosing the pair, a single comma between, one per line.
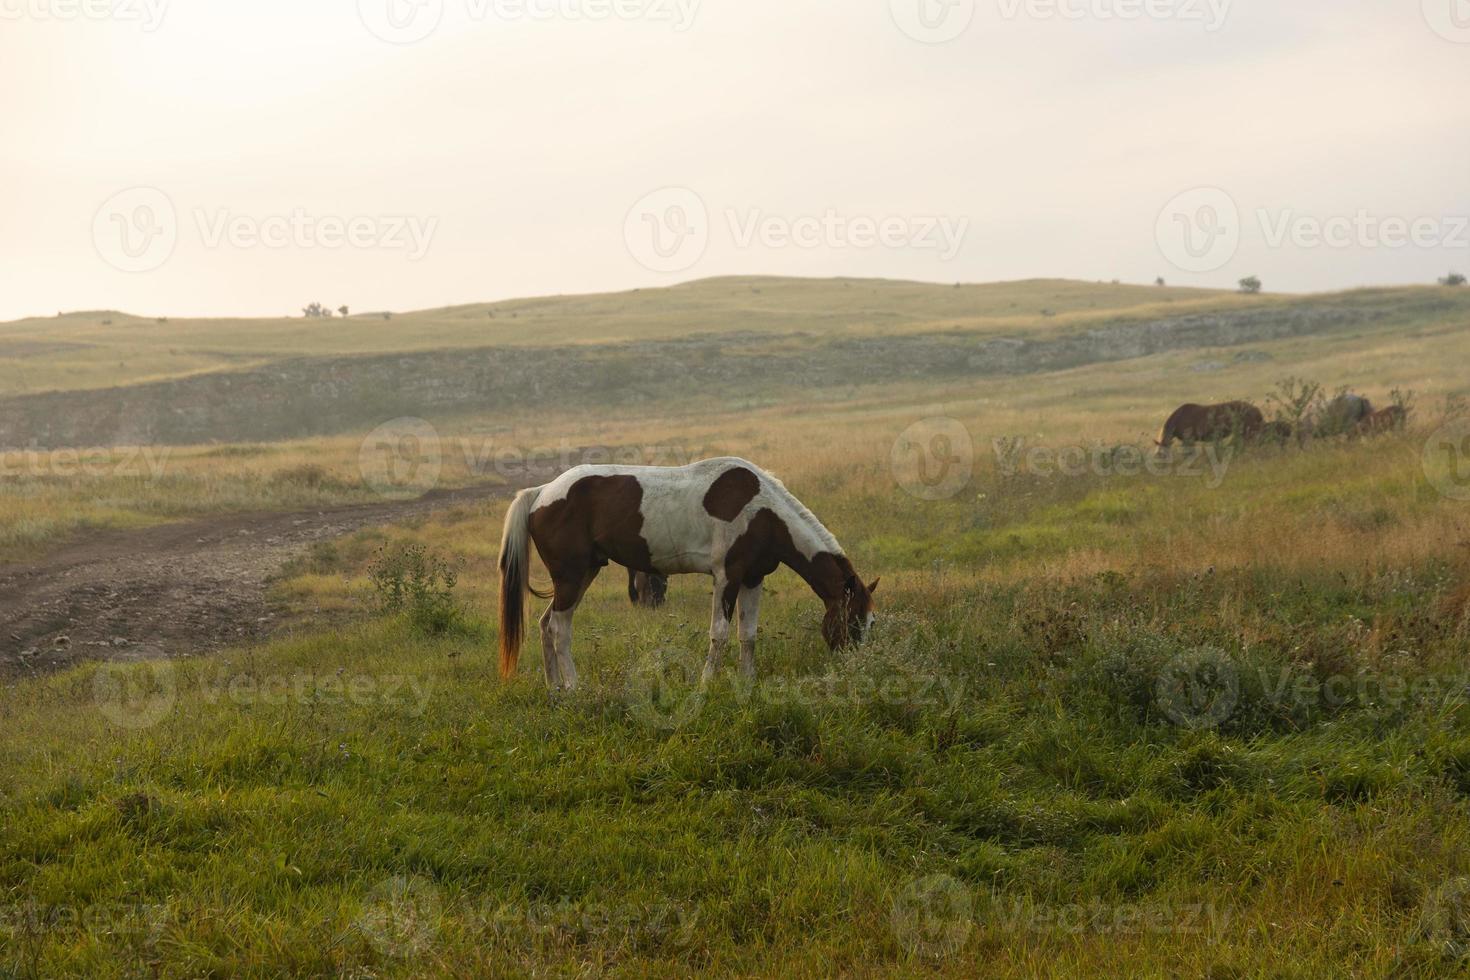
(319,396)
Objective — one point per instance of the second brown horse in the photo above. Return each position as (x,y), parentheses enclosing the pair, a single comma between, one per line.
(1208,423)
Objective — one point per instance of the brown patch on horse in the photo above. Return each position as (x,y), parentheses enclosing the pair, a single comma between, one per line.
(766,544)
(730,493)
(1386,420)
(599,519)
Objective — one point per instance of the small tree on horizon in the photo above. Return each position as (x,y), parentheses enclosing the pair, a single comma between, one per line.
(1250,285)
(342,309)
(1453,279)
(1160,281)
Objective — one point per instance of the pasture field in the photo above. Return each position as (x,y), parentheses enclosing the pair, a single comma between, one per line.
(92,349)
(1204,716)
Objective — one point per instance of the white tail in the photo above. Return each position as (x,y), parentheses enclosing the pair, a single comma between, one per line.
(515,577)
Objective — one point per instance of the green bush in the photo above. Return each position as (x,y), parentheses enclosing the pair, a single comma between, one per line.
(410,580)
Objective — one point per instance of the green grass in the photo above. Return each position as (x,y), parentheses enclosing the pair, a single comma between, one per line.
(1126,725)
(1150,770)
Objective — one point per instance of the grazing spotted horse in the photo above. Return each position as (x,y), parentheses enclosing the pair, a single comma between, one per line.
(721,517)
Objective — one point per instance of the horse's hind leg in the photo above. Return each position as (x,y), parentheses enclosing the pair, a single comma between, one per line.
(548,651)
(568,595)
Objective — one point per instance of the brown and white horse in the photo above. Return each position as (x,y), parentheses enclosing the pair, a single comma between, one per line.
(725,518)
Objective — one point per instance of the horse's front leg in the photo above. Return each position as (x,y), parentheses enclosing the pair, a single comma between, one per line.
(750,605)
(721,612)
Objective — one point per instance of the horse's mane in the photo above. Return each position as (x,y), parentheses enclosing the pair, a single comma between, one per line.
(824,536)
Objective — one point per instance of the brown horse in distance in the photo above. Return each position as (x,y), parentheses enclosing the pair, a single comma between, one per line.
(1208,423)
(1385,420)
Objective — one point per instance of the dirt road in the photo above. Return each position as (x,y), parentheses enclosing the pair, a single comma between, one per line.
(172,590)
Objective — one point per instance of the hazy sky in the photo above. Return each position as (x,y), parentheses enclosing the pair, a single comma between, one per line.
(211,157)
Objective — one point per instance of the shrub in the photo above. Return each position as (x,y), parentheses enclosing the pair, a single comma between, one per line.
(412,581)
(1453,279)
(1294,400)
(1250,285)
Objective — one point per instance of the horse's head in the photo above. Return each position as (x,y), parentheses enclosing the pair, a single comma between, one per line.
(849,615)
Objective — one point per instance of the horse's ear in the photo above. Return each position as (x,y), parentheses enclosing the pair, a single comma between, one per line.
(873,587)
(852,585)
